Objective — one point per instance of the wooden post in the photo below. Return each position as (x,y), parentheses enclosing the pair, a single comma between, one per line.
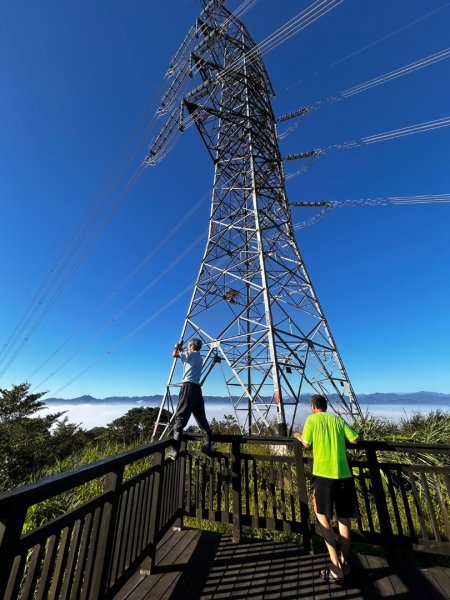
(11,525)
(104,552)
(380,496)
(302,495)
(181,484)
(155,505)
(236,487)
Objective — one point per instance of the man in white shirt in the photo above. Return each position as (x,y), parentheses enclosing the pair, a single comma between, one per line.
(190,399)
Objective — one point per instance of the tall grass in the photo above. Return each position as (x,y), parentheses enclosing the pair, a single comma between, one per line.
(431,428)
(41,513)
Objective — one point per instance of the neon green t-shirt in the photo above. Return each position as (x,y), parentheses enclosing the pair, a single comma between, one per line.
(326,434)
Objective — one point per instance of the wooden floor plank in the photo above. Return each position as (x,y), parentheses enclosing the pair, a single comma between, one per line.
(201,565)
(439,577)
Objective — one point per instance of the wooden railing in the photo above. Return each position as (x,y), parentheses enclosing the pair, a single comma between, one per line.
(263,483)
(90,551)
(256,482)
(405,502)
(404,494)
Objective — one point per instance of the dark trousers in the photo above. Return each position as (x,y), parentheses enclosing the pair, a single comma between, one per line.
(190,402)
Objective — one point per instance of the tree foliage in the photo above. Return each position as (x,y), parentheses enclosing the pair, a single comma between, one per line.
(17,403)
(26,440)
(226,426)
(134,426)
(34,446)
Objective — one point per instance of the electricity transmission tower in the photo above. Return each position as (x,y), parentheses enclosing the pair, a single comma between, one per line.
(253,305)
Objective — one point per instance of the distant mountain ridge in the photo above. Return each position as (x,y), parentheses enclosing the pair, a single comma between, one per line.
(376,398)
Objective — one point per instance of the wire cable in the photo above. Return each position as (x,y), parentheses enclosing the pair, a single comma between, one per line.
(372,44)
(302,20)
(368,85)
(327,205)
(125,339)
(379,137)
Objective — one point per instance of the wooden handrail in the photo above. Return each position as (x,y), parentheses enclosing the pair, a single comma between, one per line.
(93,548)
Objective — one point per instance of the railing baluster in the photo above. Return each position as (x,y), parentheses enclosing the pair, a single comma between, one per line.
(90,561)
(11,525)
(189,485)
(361,479)
(60,565)
(291,492)
(102,564)
(70,567)
(302,494)
(431,509)
(197,499)
(181,485)
(139,528)
(236,485)
(264,491)
(271,523)
(219,489)
(212,486)
(393,497)
(12,589)
(32,572)
(47,569)
(203,491)
(406,505)
(137,522)
(255,494)
(82,556)
(227,488)
(155,505)
(119,547)
(418,506)
(286,527)
(442,505)
(148,495)
(380,496)
(246,483)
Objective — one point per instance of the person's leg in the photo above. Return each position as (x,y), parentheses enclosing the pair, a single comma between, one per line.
(344,542)
(346,509)
(181,417)
(322,497)
(330,541)
(198,410)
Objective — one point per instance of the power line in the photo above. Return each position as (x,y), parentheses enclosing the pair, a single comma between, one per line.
(166,139)
(39,316)
(124,282)
(327,205)
(373,139)
(363,87)
(131,303)
(121,342)
(372,44)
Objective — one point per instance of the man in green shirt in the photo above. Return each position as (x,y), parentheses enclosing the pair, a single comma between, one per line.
(332,483)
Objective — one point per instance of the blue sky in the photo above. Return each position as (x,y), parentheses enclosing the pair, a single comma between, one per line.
(77,78)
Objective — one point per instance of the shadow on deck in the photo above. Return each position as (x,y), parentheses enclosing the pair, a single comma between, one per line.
(92,551)
(201,565)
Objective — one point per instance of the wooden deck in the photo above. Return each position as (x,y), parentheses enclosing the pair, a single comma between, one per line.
(201,565)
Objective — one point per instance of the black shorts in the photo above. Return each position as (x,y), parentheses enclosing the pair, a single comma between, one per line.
(338,493)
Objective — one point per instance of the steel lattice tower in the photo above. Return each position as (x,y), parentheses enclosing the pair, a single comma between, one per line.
(253,305)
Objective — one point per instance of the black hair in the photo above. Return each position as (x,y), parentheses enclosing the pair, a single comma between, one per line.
(318,401)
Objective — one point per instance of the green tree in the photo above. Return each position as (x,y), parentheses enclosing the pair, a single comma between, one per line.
(226,426)
(68,438)
(18,403)
(135,426)
(27,443)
